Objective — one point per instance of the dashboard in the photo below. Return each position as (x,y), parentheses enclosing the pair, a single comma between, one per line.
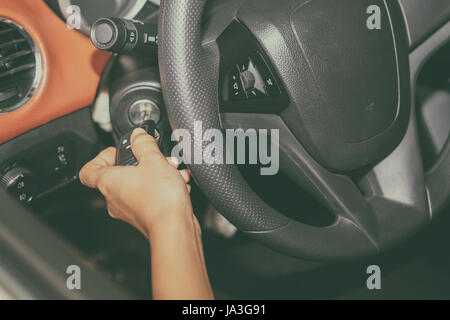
(67,68)
(49,74)
(71,68)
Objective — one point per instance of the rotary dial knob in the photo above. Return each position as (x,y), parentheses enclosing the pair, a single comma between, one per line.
(19,182)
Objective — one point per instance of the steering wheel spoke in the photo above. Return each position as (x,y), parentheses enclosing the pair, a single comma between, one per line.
(390,197)
(423,18)
(335,191)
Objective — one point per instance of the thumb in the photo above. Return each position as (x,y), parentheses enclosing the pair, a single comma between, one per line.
(92,172)
(143,145)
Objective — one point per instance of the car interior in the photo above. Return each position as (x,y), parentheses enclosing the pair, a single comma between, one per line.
(363,116)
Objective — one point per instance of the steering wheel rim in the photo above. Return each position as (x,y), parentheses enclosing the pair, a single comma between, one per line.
(365,224)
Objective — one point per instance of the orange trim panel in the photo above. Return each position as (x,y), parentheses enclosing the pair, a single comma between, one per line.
(72,68)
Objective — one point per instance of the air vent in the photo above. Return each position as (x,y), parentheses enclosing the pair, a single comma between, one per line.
(20,66)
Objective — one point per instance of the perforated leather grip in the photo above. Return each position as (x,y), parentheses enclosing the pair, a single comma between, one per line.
(189,79)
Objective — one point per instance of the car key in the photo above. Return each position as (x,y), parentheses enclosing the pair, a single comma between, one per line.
(125,156)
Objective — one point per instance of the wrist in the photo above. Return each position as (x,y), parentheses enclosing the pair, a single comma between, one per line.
(179,221)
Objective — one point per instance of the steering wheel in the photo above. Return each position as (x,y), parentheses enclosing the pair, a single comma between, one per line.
(342,100)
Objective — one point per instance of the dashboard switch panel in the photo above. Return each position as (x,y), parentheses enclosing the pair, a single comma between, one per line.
(20,182)
(31,176)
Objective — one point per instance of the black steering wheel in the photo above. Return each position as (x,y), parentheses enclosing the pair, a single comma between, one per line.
(342,99)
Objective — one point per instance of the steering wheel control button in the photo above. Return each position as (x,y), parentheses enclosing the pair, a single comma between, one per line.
(248,83)
(125,156)
(252,79)
(243,66)
(236,89)
(256,94)
(257,90)
(270,84)
(248,80)
(20,183)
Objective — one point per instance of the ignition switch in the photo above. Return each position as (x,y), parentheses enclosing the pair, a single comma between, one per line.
(144,110)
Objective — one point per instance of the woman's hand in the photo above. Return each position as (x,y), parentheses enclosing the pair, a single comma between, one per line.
(154,198)
(145,196)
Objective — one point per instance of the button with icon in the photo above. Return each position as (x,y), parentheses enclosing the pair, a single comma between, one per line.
(236,90)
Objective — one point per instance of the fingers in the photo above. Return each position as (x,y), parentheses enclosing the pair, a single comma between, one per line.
(173,161)
(92,171)
(143,145)
(185,174)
